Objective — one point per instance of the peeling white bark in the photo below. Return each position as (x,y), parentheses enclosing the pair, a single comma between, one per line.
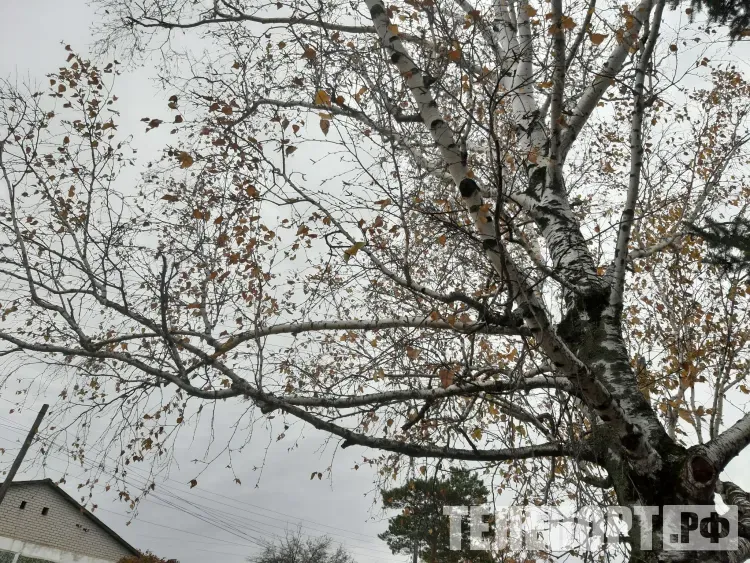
(566,238)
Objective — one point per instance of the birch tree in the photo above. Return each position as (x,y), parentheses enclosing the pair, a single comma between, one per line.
(444,231)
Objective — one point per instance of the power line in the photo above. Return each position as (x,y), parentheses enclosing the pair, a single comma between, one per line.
(212,519)
(134,470)
(20,429)
(242,508)
(223,515)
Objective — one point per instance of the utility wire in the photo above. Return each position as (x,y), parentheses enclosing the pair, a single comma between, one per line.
(212,519)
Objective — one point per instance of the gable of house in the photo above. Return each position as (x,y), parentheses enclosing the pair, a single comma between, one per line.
(40,513)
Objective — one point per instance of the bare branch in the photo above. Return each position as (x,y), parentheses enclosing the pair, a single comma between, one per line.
(636,155)
(604,77)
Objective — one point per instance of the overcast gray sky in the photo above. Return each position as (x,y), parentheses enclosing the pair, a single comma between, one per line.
(218,517)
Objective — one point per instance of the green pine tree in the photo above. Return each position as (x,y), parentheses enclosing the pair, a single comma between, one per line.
(728,242)
(422,522)
(734,13)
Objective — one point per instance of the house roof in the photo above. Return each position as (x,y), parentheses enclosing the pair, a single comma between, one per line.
(50,483)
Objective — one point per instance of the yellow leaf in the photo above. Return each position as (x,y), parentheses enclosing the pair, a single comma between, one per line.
(322,98)
(530,12)
(186,161)
(325,125)
(685,415)
(477,434)
(597,38)
(352,250)
(547,84)
(393,28)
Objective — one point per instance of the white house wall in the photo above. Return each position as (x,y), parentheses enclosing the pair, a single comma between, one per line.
(45,553)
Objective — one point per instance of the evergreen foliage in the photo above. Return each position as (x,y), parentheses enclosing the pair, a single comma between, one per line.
(421,520)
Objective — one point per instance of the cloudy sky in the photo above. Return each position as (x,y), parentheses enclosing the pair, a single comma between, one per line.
(218,516)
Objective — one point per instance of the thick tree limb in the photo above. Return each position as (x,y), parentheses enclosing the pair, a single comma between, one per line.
(558,79)
(732,495)
(373,324)
(725,447)
(147,21)
(416,450)
(491,386)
